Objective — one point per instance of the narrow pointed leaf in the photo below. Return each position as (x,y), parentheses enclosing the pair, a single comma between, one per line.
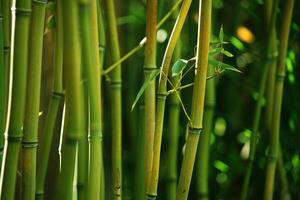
(144,86)
(227,53)
(224,66)
(178,67)
(221,35)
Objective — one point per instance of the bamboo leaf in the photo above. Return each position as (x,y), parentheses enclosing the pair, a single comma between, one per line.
(144,86)
(215,51)
(227,53)
(221,34)
(224,66)
(179,66)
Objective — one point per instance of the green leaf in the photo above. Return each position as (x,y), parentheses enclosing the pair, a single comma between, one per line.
(144,86)
(223,167)
(215,51)
(221,34)
(227,53)
(225,66)
(178,67)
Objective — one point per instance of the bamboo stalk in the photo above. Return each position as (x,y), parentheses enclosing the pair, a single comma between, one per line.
(195,126)
(149,68)
(30,138)
(92,69)
(202,171)
(270,55)
(161,97)
(102,44)
(74,126)
(278,93)
(53,110)
(116,101)
(173,127)
(17,95)
(2,85)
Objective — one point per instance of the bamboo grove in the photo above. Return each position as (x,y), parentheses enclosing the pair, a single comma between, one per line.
(175,99)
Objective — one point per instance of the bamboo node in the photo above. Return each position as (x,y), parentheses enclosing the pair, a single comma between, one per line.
(272,157)
(162,95)
(194,130)
(44,2)
(151,196)
(58,95)
(6,49)
(280,77)
(29,145)
(150,69)
(21,11)
(116,84)
(14,138)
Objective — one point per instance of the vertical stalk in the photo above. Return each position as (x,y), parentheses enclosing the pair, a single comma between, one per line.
(102,44)
(195,125)
(74,125)
(277,102)
(92,69)
(149,68)
(174,127)
(202,171)
(2,85)
(30,139)
(161,98)
(270,54)
(17,93)
(53,111)
(116,101)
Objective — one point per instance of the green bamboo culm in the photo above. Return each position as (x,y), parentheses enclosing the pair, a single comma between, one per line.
(173,127)
(273,150)
(161,98)
(56,100)
(91,64)
(173,133)
(202,166)
(195,125)
(149,69)
(2,86)
(271,56)
(17,96)
(102,44)
(116,100)
(74,125)
(30,138)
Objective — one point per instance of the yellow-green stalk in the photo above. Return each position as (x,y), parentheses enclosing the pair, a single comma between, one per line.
(53,110)
(74,125)
(91,63)
(2,86)
(17,96)
(30,138)
(273,150)
(202,165)
(116,100)
(161,98)
(149,68)
(195,125)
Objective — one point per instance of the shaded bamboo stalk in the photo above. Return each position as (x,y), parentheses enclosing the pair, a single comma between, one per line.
(270,55)
(149,68)
(139,179)
(173,128)
(30,138)
(17,96)
(202,172)
(91,63)
(53,109)
(2,85)
(285,194)
(116,101)
(277,102)
(161,98)
(195,125)
(74,126)
(102,44)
